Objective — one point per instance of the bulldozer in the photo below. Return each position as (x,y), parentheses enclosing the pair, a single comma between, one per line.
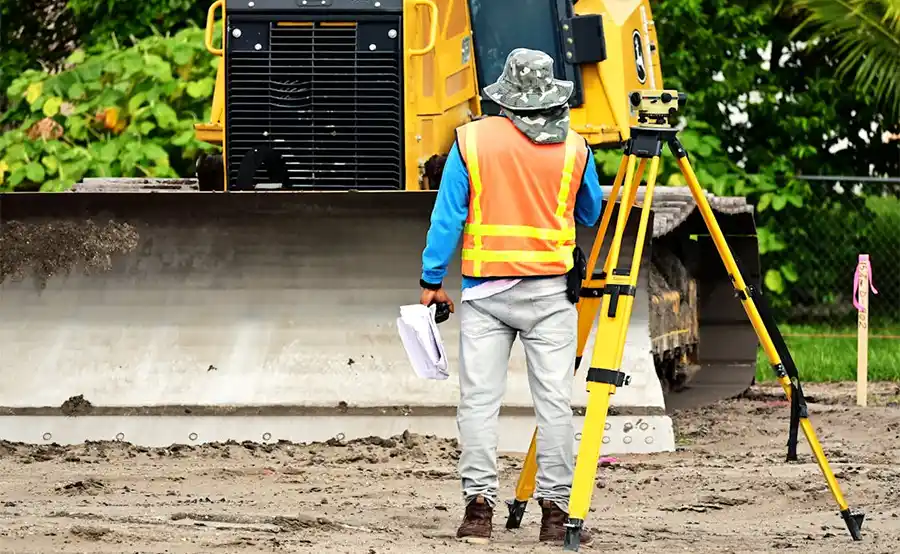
(257,300)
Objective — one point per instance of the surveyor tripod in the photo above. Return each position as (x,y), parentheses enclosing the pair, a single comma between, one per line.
(609,295)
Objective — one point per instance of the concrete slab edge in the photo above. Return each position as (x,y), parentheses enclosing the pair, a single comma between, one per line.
(625,434)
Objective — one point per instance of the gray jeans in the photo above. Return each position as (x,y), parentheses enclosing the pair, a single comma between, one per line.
(538,312)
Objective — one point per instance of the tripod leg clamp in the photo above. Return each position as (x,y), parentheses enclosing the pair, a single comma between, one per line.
(608,376)
(615,291)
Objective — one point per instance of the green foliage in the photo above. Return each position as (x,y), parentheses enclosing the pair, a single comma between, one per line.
(33,33)
(124,112)
(749,57)
(121,19)
(39,34)
(866,37)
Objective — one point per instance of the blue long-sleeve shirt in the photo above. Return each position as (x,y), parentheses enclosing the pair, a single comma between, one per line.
(451,208)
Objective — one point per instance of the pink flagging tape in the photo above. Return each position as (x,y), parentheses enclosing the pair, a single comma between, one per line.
(863,260)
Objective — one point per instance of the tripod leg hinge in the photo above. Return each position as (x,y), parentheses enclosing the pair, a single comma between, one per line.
(573,535)
(608,376)
(854,521)
(677,148)
(516,513)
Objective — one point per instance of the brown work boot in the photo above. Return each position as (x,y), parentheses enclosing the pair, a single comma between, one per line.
(477,523)
(553,525)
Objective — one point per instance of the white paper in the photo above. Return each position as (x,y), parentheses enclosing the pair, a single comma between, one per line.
(422,341)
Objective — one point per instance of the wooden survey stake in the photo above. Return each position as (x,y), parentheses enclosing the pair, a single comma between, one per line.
(862,280)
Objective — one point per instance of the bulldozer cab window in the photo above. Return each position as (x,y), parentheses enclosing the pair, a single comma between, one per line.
(500,26)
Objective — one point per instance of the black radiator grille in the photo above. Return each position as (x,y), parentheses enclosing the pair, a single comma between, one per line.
(327,103)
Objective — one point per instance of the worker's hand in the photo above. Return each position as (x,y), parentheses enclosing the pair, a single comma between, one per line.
(430,297)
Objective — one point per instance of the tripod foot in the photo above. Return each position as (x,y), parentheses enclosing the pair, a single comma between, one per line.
(573,535)
(854,520)
(516,513)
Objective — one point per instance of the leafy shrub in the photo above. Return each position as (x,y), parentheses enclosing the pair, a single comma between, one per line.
(125,112)
(808,236)
(109,20)
(749,58)
(33,33)
(42,33)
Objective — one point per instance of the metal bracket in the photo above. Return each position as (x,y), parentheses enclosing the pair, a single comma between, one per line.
(583,39)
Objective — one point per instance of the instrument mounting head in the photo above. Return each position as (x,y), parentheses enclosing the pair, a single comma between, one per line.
(656,108)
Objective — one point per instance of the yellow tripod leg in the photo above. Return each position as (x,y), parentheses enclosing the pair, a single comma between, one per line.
(594,283)
(587,314)
(607,213)
(766,330)
(604,375)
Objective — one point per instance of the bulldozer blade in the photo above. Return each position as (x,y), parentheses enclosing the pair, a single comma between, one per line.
(179,316)
(704,346)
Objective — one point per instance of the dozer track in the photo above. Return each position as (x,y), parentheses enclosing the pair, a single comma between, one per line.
(159,313)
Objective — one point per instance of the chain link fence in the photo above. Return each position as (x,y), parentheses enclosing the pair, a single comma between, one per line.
(809,258)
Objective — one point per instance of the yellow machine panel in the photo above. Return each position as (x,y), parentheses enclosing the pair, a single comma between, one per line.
(441,67)
(632,63)
(441,89)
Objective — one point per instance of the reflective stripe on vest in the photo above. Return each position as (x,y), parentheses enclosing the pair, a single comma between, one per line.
(542,250)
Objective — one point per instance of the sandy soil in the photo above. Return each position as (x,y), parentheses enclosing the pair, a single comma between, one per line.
(726,490)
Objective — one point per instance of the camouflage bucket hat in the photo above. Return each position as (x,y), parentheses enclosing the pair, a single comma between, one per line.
(527,83)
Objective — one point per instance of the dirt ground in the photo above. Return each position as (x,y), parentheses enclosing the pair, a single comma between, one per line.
(726,490)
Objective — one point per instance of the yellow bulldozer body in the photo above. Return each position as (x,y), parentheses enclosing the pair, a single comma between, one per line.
(441,86)
(190,310)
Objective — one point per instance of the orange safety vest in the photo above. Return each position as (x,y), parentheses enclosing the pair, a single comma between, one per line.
(521,218)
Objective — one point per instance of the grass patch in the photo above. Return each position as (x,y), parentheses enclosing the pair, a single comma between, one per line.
(830,359)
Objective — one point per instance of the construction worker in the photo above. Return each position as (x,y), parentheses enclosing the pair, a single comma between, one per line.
(514,186)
